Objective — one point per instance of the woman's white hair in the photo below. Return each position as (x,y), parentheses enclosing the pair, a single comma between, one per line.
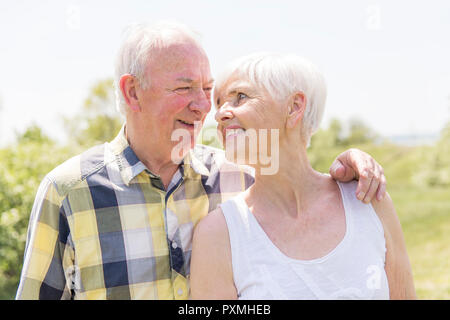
(138,44)
(282,75)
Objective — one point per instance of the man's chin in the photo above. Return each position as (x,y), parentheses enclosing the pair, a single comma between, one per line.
(181,150)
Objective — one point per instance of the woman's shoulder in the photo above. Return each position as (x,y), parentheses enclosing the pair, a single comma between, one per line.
(332,190)
(212,228)
(211,266)
(227,217)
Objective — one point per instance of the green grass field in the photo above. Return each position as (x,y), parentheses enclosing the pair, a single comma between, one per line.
(425,217)
(424,213)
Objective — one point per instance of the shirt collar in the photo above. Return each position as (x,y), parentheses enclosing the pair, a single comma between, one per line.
(194,165)
(130,166)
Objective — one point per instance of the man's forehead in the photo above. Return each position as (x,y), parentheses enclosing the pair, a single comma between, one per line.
(182,64)
(177,50)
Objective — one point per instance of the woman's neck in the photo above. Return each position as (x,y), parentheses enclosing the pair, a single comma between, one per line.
(287,190)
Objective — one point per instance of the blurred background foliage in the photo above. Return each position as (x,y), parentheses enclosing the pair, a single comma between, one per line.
(97,120)
(418,181)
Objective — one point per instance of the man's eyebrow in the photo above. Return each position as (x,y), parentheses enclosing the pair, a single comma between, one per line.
(183,79)
(189,80)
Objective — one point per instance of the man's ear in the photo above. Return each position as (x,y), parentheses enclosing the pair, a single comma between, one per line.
(128,86)
(296,109)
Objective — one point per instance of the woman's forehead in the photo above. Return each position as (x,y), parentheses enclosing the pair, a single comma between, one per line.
(232,83)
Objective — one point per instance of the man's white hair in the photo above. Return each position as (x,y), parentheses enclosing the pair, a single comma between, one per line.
(138,44)
(282,75)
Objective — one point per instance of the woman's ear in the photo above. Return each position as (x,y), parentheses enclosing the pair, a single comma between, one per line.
(128,85)
(296,109)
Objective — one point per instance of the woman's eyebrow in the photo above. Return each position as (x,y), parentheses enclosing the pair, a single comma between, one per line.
(235,89)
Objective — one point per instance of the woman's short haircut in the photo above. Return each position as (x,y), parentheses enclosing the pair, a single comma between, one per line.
(282,75)
(139,41)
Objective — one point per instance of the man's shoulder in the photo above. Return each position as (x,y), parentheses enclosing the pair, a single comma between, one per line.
(73,171)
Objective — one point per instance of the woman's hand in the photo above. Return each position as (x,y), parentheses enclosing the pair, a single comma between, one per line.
(356,164)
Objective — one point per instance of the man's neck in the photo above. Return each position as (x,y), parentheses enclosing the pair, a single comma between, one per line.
(156,162)
(164,171)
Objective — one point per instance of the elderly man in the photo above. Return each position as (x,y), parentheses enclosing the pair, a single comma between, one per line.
(116,222)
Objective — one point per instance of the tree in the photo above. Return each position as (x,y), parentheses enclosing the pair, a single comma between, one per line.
(22,167)
(335,129)
(24,164)
(98,121)
(33,134)
(325,145)
(359,133)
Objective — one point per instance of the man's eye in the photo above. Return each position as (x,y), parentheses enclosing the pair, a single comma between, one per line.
(182,89)
(207,92)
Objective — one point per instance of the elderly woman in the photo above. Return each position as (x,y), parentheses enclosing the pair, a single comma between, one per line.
(295,233)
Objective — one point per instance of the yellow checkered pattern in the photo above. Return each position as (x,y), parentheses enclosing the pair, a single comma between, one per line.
(103,227)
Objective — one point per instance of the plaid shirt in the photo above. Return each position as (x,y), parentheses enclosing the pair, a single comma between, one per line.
(104,227)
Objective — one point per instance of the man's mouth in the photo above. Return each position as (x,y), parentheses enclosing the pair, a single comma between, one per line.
(186,123)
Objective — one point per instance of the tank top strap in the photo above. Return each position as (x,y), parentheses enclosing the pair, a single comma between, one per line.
(236,215)
(357,211)
(241,238)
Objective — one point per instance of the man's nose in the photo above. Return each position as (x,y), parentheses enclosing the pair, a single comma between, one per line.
(202,102)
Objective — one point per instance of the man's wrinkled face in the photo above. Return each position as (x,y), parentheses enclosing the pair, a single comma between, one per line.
(178,95)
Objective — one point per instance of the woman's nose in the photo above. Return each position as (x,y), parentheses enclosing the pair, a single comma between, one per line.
(223,113)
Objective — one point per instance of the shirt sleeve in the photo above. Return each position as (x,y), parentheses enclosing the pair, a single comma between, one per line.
(48,258)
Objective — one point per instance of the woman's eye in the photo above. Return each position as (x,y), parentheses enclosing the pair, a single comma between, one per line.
(241,96)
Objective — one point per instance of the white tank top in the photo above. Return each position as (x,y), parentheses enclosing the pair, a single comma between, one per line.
(354,269)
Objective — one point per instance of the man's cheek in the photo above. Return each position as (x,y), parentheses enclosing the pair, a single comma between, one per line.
(178,103)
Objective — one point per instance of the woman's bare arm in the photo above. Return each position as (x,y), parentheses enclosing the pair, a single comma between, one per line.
(211,268)
(398,267)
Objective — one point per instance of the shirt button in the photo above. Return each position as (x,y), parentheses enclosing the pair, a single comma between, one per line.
(174,245)
(180,292)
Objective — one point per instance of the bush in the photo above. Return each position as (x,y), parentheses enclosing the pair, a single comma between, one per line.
(22,167)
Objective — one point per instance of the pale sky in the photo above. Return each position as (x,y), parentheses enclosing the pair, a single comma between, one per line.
(386,62)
